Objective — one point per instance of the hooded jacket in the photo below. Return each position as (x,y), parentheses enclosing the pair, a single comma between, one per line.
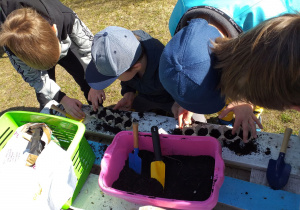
(71,32)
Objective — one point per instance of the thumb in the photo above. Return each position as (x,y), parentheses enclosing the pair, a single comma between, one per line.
(116,107)
(225,112)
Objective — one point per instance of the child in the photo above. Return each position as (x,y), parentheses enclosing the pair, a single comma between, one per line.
(36,36)
(258,67)
(234,17)
(133,58)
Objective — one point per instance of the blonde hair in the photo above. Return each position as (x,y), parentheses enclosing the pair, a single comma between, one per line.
(262,66)
(31,38)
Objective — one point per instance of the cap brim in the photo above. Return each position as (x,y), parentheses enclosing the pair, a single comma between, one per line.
(97,80)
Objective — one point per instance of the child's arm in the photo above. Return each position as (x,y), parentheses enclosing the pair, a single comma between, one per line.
(82,39)
(42,84)
(37,79)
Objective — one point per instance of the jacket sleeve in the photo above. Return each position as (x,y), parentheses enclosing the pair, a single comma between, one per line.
(37,79)
(82,39)
(125,88)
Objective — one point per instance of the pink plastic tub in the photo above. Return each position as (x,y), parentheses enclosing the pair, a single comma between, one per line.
(118,151)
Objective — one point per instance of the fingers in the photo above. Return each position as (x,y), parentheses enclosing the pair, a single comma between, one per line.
(174,109)
(253,129)
(188,118)
(77,112)
(180,122)
(122,105)
(103,96)
(125,108)
(245,127)
(225,112)
(258,122)
(117,106)
(96,97)
(95,106)
(236,126)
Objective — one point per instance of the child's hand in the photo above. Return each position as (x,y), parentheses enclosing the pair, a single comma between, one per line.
(243,116)
(73,107)
(125,103)
(96,97)
(184,116)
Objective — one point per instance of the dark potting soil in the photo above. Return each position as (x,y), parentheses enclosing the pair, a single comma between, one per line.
(228,134)
(241,148)
(187,177)
(202,132)
(189,132)
(215,133)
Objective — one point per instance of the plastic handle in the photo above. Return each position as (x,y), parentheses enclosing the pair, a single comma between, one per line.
(64,112)
(135,126)
(58,109)
(156,143)
(286,138)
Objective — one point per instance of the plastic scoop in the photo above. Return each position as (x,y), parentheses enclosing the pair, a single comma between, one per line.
(135,162)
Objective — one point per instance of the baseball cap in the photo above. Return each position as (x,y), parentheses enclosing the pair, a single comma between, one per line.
(186,68)
(114,50)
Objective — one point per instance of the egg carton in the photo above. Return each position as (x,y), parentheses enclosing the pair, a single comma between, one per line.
(107,120)
(222,133)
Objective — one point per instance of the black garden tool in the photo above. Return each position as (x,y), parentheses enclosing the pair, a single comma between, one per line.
(158,168)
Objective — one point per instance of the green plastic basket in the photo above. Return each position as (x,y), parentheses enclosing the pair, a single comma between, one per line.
(69,132)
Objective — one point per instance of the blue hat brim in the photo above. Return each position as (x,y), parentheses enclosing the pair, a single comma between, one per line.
(97,80)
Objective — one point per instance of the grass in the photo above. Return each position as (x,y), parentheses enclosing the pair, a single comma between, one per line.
(151,16)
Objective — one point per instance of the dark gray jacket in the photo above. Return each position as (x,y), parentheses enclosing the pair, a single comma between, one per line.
(149,85)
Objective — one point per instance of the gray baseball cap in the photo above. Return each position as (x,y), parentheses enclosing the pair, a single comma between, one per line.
(114,50)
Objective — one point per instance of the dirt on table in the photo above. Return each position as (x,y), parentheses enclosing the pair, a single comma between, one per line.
(187,177)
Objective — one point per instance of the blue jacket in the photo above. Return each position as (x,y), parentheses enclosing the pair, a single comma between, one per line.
(246,13)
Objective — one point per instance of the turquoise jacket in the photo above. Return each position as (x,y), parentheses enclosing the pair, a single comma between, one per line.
(246,13)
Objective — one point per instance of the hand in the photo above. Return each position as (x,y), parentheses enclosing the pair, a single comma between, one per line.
(243,116)
(125,103)
(73,107)
(184,116)
(96,97)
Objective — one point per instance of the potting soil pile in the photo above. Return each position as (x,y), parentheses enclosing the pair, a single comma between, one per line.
(187,177)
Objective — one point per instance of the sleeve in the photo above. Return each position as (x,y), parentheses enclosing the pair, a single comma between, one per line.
(82,39)
(125,88)
(37,79)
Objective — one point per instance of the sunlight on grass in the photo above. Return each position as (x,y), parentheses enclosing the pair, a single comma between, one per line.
(286,118)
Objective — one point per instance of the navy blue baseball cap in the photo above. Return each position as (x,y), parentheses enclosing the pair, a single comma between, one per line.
(186,68)
(114,50)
